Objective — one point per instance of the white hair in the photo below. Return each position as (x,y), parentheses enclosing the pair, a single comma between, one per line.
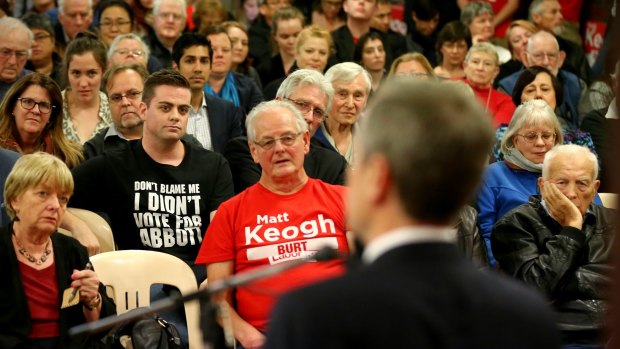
(129,36)
(263,107)
(10,24)
(305,77)
(483,47)
(182,3)
(573,151)
(347,72)
(541,34)
(61,6)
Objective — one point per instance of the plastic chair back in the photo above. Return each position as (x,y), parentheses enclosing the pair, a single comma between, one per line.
(130,274)
(97,225)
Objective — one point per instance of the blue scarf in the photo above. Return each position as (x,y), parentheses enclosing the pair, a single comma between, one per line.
(228,91)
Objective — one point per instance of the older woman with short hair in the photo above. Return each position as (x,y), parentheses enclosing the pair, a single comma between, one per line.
(130,48)
(532,132)
(481,67)
(478,17)
(411,64)
(31,120)
(39,265)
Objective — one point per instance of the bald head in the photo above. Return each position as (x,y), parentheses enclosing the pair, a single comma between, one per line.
(543,50)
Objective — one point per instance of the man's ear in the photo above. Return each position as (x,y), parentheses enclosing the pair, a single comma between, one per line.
(541,182)
(597,184)
(175,66)
(561,58)
(253,151)
(525,58)
(306,138)
(142,110)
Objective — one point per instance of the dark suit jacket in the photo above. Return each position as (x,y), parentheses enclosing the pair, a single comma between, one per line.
(319,163)
(224,121)
(7,160)
(415,296)
(249,93)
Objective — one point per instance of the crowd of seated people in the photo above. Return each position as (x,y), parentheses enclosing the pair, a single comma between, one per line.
(75,83)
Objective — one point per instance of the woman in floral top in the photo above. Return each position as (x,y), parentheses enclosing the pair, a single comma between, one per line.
(85,109)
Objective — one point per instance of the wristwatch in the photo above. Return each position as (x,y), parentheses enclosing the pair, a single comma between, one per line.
(94,303)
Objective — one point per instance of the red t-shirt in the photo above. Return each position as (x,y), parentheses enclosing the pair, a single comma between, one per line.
(41,288)
(258,228)
(571,9)
(500,29)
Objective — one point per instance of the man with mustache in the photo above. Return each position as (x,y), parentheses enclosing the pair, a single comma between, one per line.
(212,120)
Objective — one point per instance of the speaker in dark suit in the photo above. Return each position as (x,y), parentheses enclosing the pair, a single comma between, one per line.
(224,121)
(419,157)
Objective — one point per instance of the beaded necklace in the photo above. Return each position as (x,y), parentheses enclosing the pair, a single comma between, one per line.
(30,257)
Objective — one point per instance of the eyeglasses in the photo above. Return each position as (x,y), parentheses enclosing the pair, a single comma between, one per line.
(75,16)
(131,95)
(532,137)
(167,15)
(39,38)
(6,53)
(282,3)
(305,107)
(29,104)
(540,56)
(118,24)
(126,52)
(287,141)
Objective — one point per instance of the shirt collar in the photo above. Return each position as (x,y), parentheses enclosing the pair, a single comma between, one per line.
(612,111)
(112,131)
(404,236)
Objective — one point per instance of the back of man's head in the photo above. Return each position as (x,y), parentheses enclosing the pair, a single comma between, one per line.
(435,142)
(165,77)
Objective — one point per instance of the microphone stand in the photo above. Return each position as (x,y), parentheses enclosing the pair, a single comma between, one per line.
(174,302)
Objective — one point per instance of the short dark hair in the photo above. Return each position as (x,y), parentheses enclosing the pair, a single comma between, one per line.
(167,77)
(102,6)
(425,138)
(84,42)
(39,21)
(359,46)
(528,75)
(424,9)
(451,32)
(187,40)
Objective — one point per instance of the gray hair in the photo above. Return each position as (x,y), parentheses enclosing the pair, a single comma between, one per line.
(302,125)
(539,35)
(531,113)
(304,77)
(473,10)
(182,3)
(347,72)
(574,151)
(483,47)
(435,132)
(536,7)
(129,36)
(61,6)
(10,24)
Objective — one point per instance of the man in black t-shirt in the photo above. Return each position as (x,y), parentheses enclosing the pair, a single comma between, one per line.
(159,192)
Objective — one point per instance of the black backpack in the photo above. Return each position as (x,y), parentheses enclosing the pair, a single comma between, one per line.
(151,332)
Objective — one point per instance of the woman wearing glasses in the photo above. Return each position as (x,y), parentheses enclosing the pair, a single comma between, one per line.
(85,110)
(533,131)
(114,18)
(30,119)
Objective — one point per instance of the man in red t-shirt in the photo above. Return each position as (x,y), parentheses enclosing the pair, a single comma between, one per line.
(284,217)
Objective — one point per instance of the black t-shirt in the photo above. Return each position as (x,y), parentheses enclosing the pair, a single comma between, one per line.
(151,205)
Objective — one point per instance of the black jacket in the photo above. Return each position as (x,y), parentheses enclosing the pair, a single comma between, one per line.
(14,313)
(468,238)
(571,267)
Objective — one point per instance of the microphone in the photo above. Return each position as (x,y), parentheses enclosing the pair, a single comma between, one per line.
(324,254)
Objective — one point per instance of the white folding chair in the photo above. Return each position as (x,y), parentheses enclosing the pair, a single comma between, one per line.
(609,200)
(97,225)
(130,274)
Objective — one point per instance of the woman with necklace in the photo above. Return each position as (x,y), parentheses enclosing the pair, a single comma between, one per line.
(40,267)
(481,67)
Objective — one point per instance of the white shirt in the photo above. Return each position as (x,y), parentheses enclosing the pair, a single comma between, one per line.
(404,236)
(198,124)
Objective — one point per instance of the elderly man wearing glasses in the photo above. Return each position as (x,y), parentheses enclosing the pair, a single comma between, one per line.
(15,43)
(303,215)
(312,95)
